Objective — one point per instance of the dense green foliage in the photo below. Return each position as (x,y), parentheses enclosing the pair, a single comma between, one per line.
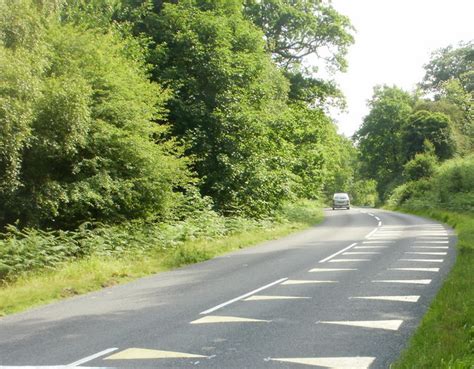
(407,133)
(79,142)
(122,119)
(450,187)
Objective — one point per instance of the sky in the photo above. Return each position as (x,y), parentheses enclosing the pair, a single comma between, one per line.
(393,40)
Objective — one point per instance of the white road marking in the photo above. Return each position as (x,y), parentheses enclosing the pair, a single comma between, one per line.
(361,253)
(50,367)
(430,247)
(359,362)
(372,232)
(391,325)
(346,260)
(337,253)
(426,241)
(370,247)
(378,241)
(423,233)
(433,238)
(412,298)
(212,319)
(91,357)
(405,281)
(138,353)
(376,217)
(379,223)
(416,269)
(267,297)
(316,270)
(425,253)
(242,296)
(424,260)
(305,281)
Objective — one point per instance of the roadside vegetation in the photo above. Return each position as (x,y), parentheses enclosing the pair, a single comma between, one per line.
(419,149)
(118,254)
(140,136)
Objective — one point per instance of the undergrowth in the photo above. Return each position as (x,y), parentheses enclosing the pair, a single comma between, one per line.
(64,264)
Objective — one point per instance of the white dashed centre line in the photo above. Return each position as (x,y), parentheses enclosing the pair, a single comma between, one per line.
(242,296)
(91,357)
(337,253)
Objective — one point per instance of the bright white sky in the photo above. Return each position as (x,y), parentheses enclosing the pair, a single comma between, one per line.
(393,40)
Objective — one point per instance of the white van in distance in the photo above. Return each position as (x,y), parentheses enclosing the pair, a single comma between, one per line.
(341,200)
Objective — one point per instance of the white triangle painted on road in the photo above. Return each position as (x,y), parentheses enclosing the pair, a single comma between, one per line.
(406,281)
(391,325)
(424,260)
(267,297)
(412,298)
(316,270)
(346,260)
(304,281)
(416,269)
(138,353)
(211,319)
(358,362)
(371,247)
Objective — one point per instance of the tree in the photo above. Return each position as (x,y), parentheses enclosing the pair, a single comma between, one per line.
(449,64)
(427,126)
(79,115)
(379,137)
(226,92)
(294,29)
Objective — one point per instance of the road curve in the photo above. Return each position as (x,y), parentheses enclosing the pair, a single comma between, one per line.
(346,294)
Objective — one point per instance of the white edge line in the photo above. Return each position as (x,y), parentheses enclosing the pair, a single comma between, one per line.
(242,297)
(337,253)
(90,358)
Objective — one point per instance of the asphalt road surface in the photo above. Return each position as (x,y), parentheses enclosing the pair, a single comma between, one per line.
(345,294)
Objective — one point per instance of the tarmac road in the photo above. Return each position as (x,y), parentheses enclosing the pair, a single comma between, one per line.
(345,294)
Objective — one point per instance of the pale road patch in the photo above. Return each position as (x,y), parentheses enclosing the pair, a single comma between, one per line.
(359,362)
(404,281)
(318,270)
(424,260)
(213,319)
(416,269)
(390,325)
(346,260)
(139,353)
(425,253)
(268,297)
(412,298)
(303,281)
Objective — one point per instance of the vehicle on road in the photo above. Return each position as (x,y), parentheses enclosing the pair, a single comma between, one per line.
(341,200)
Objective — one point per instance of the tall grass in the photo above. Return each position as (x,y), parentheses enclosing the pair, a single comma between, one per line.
(112,255)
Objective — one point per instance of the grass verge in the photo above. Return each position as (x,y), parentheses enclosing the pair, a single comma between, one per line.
(99,271)
(445,338)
